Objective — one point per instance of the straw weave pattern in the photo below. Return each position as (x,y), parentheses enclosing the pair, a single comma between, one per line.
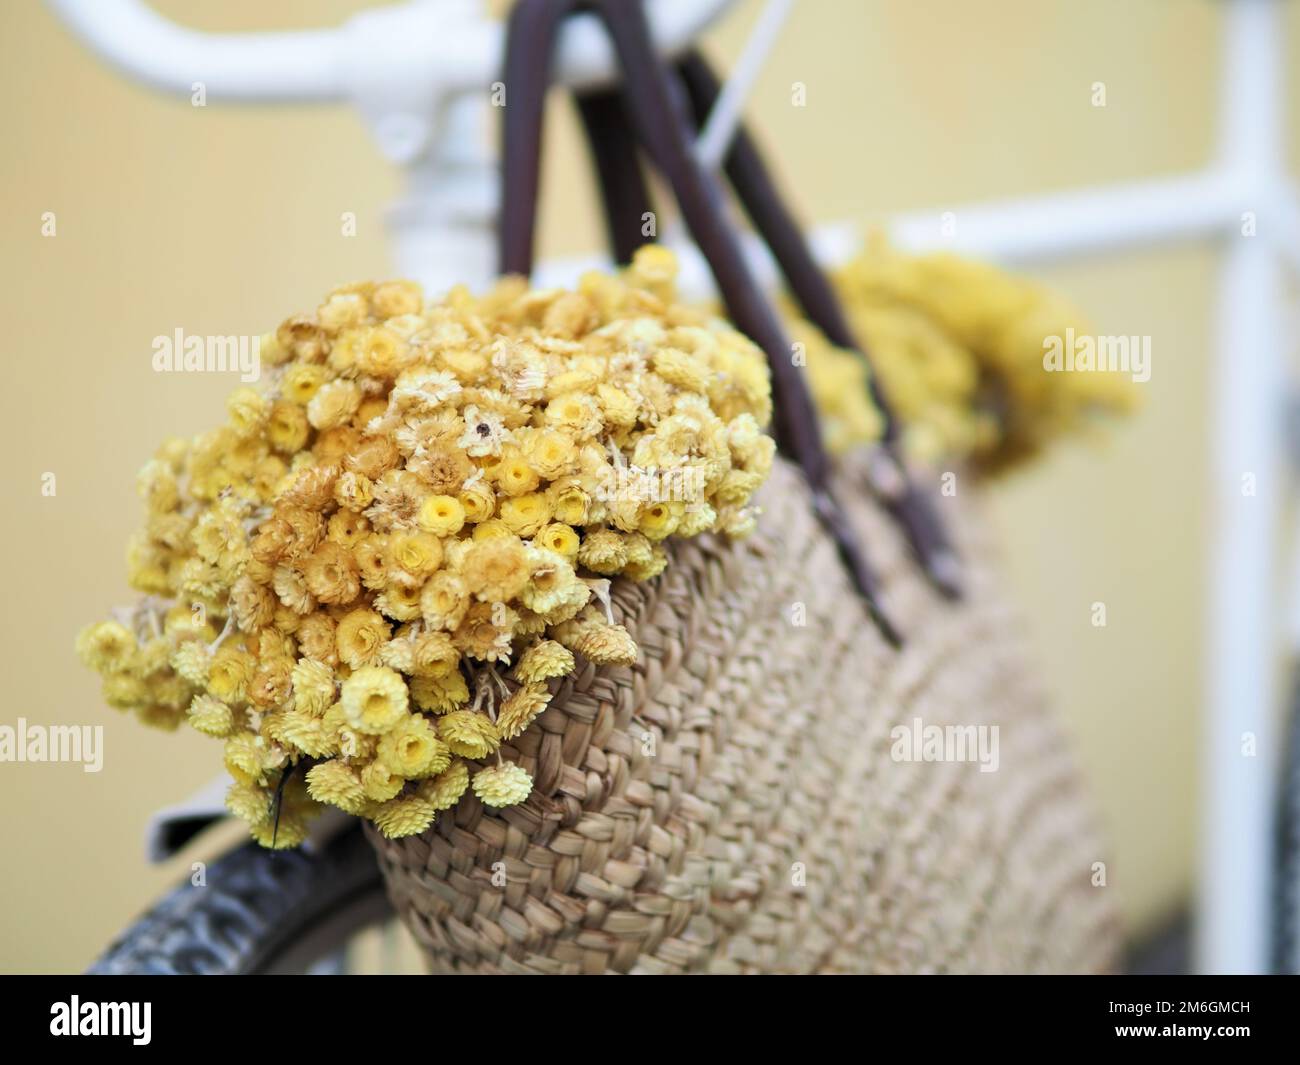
(729,804)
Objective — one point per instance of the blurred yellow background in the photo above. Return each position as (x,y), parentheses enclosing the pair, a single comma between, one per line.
(222,220)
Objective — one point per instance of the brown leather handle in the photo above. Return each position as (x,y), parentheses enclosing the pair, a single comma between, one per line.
(531,33)
(658,116)
(666,132)
(623,190)
(780,230)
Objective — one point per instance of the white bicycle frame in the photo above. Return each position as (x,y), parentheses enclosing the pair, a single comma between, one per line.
(418,72)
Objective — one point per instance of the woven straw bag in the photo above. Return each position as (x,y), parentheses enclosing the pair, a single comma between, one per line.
(732,803)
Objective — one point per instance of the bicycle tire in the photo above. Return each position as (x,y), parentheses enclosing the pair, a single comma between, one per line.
(259,912)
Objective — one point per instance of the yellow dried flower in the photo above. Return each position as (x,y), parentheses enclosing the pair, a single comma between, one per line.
(478,501)
(398,495)
(542,661)
(337,784)
(302,338)
(313,687)
(433,655)
(444,600)
(248,410)
(575,413)
(619,408)
(640,551)
(495,569)
(315,636)
(445,790)
(252,604)
(485,632)
(291,588)
(379,783)
(512,474)
(648,569)
(105,646)
(399,653)
(272,684)
(413,749)
(440,695)
(211,716)
(249,758)
(289,831)
(959,349)
(382,353)
(603,551)
(347,529)
(468,734)
(230,673)
(355,747)
(354,491)
(682,370)
(360,637)
(570,501)
(373,457)
(484,432)
(654,268)
(286,427)
(301,382)
(559,538)
(331,574)
(219,534)
(567,601)
(441,515)
(400,601)
(413,556)
(250,803)
(657,521)
(191,660)
(157,485)
(551,581)
(550,453)
(695,518)
(341,310)
(407,816)
(395,298)
(334,445)
(371,555)
(334,404)
(374,699)
(492,529)
(521,708)
(502,785)
(528,624)
(305,732)
(526,515)
(372,407)
(607,645)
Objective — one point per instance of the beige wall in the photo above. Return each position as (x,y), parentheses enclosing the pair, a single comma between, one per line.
(222,220)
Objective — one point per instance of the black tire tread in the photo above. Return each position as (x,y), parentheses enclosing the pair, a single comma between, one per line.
(256,908)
